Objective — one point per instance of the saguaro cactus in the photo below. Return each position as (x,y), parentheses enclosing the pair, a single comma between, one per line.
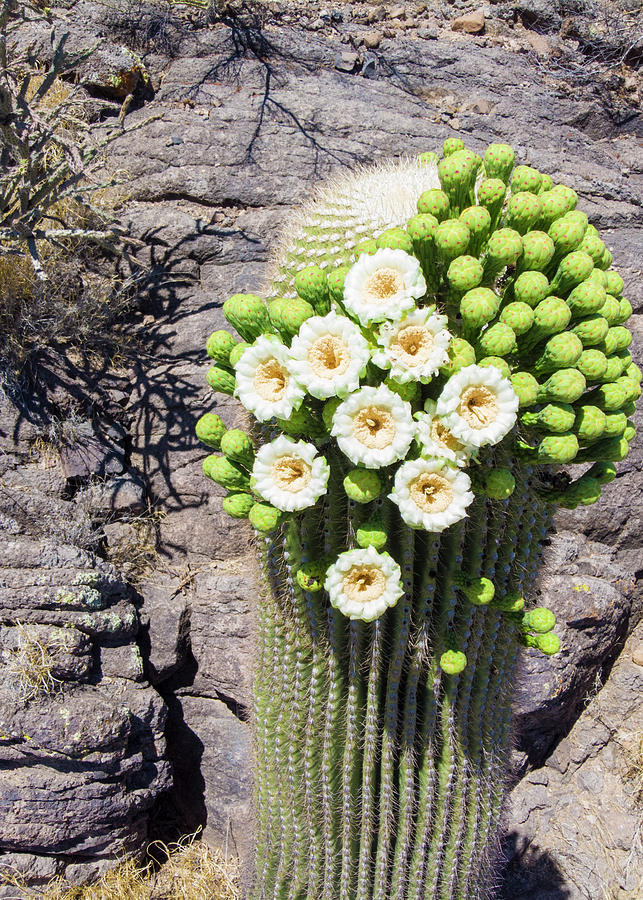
(438,338)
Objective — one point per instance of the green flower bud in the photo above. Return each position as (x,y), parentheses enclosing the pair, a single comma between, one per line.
(371,534)
(311,285)
(335,281)
(518,316)
(311,575)
(210,429)
(221,380)
(629,408)
(593,364)
(561,351)
(633,371)
(608,396)
(264,517)
(591,330)
(603,471)
(478,591)
(407,390)
(453,662)
(537,250)
(512,602)
(540,620)
(457,174)
(498,340)
(421,229)
(558,448)
(587,298)
(564,386)
(503,249)
(395,239)
(599,277)
(526,388)
(570,196)
(555,417)
(499,160)
(625,310)
(219,345)
(611,449)
(546,183)
(464,273)
(610,310)
(552,207)
(451,239)
(632,388)
(478,221)
(478,307)
(615,424)
(363,485)
(573,268)
(607,260)
(248,315)
(630,432)
(614,369)
(549,643)
(228,474)
(237,352)
(237,446)
(593,246)
(590,423)
(461,354)
(491,195)
(615,284)
(620,336)
(238,504)
(369,246)
(531,288)
(452,145)
(434,202)
(429,158)
(523,210)
(524,178)
(288,314)
(499,483)
(498,363)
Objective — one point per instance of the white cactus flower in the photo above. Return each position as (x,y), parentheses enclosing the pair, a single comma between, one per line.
(431,494)
(436,440)
(478,405)
(289,474)
(415,347)
(383,286)
(328,356)
(373,427)
(265,383)
(363,584)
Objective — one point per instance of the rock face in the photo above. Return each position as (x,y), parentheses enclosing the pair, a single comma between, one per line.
(245,120)
(579,816)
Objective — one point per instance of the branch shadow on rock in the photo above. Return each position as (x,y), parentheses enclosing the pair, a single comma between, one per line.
(530,873)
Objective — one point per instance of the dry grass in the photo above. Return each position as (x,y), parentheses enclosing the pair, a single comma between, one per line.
(186,870)
(633,767)
(30,666)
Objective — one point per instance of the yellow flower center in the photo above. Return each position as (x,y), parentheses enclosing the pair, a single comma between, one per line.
(383,284)
(374,427)
(364,583)
(412,345)
(290,473)
(431,492)
(271,379)
(478,406)
(329,356)
(442,436)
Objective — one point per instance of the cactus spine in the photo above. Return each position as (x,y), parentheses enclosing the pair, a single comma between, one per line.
(400,504)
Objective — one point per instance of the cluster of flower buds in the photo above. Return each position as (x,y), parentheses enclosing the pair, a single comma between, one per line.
(492,315)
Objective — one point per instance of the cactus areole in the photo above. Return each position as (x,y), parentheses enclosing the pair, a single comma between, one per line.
(438,339)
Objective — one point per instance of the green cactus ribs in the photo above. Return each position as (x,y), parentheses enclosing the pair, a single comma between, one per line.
(440,336)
